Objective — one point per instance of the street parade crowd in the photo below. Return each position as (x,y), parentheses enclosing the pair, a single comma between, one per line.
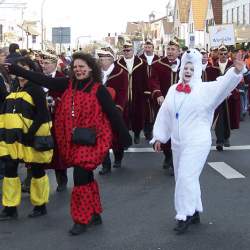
(58,112)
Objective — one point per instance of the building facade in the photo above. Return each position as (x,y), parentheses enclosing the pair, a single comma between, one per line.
(236,12)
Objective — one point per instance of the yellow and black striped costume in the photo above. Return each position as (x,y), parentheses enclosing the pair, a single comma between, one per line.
(20,117)
(23,116)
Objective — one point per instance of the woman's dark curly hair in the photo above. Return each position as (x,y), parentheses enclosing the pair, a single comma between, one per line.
(96,73)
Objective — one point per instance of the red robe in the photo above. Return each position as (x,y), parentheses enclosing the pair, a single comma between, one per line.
(233,102)
(149,116)
(57,161)
(118,80)
(134,112)
(162,78)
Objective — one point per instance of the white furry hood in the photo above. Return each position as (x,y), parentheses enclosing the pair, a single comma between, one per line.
(195,57)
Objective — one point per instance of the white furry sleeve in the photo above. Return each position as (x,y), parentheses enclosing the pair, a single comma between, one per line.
(213,93)
(162,126)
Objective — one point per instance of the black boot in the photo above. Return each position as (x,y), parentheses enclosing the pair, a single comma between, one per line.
(106,165)
(219,147)
(38,211)
(168,165)
(117,164)
(182,226)
(78,229)
(61,179)
(96,219)
(9,213)
(195,219)
(136,138)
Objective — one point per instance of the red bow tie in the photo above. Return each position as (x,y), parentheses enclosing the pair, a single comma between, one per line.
(183,88)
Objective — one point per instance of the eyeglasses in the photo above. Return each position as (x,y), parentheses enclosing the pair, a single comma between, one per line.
(127,50)
(223,54)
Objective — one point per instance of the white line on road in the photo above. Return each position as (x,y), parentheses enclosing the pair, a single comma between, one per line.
(225,170)
(213,148)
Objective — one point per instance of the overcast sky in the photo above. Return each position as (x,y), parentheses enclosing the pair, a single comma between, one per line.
(93,17)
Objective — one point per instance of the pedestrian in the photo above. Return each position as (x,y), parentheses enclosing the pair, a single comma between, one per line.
(227,115)
(24,120)
(136,70)
(113,76)
(5,85)
(186,117)
(49,67)
(164,74)
(149,58)
(83,131)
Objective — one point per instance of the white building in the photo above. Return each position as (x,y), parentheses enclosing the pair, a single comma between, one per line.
(213,17)
(236,11)
(196,23)
(181,14)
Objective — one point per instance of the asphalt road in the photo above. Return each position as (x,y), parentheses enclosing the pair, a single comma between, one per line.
(139,211)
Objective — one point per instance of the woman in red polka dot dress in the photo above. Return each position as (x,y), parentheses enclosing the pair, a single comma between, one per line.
(85,103)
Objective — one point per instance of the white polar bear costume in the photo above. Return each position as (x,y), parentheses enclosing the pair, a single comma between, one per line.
(187,119)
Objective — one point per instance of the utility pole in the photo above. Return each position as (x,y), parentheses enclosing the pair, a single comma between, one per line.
(42,25)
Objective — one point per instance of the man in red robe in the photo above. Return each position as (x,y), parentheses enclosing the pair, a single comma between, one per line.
(138,91)
(165,72)
(150,59)
(227,115)
(115,78)
(49,66)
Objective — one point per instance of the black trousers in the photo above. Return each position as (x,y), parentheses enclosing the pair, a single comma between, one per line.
(11,169)
(82,176)
(118,155)
(61,176)
(222,128)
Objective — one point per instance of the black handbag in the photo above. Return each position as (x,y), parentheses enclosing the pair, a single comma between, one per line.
(84,136)
(43,143)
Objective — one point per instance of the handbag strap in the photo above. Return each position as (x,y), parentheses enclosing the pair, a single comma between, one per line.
(73,96)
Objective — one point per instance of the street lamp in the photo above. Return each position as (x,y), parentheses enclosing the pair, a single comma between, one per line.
(42,25)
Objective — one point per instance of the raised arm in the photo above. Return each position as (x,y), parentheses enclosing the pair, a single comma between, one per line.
(56,84)
(213,93)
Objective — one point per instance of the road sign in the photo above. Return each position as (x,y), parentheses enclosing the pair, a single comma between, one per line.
(61,35)
(191,41)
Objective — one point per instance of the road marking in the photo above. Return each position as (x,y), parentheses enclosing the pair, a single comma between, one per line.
(213,148)
(225,170)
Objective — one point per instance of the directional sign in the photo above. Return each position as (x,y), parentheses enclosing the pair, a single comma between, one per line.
(61,35)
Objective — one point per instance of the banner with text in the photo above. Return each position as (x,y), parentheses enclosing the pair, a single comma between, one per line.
(221,34)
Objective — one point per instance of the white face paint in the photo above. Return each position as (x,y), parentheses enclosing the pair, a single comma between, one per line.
(188,72)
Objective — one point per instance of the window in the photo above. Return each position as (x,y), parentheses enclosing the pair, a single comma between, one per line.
(244,14)
(238,15)
(232,17)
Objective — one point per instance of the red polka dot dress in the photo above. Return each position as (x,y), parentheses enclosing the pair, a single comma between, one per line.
(85,199)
